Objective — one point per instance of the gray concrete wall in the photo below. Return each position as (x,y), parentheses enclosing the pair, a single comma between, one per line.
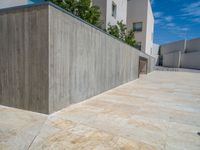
(151,61)
(11,3)
(51,59)
(172,59)
(155,52)
(24,58)
(84,61)
(189,57)
(173,47)
(191,60)
(193,45)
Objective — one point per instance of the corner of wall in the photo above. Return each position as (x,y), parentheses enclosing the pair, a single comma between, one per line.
(48,17)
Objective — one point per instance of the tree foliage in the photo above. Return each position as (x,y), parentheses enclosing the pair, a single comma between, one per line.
(120,31)
(91,14)
(82,9)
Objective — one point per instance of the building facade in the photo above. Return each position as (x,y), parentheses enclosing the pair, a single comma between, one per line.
(136,14)
(140,19)
(112,11)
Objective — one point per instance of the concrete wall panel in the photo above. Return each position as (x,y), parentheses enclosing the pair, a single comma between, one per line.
(24,58)
(85,61)
(49,59)
(173,47)
(172,59)
(193,45)
(191,60)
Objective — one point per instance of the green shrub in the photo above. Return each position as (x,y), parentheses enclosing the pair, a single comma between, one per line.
(120,31)
(82,9)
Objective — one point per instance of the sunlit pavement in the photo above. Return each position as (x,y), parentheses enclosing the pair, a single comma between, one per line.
(157,111)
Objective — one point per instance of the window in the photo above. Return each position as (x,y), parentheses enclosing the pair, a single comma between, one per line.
(114,10)
(137,26)
(138,45)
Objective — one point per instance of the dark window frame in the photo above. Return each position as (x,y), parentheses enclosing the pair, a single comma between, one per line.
(137,30)
(114,10)
(138,45)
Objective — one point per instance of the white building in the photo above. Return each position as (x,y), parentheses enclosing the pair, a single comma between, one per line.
(140,19)
(136,14)
(112,11)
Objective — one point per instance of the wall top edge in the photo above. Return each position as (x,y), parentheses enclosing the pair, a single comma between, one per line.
(4,10)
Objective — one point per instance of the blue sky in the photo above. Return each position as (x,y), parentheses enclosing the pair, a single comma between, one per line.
(176,20)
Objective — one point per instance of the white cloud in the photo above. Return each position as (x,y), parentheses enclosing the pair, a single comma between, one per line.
(170,24)
(192,10)
(161,18)
(157,21)
(169,18)
(197,20)
(166,22)
(158,14)
(184,29)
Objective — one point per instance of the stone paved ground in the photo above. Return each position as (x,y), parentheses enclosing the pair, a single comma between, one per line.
(158,111)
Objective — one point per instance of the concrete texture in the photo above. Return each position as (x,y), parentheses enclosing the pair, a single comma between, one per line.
(80,69)
(193,45)
(191,60)
(12,3)
(173,47)
(188,58)
(51,59)
(24,58)
(155,52)
(166,117)
(172,59)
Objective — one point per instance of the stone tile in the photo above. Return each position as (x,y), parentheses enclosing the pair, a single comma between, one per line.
(182,137)
(158,111)
(18,128)
(64,134)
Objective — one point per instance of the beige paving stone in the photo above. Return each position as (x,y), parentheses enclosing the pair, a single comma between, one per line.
(158,111)
(150,110)
(64,134)
(18,128)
